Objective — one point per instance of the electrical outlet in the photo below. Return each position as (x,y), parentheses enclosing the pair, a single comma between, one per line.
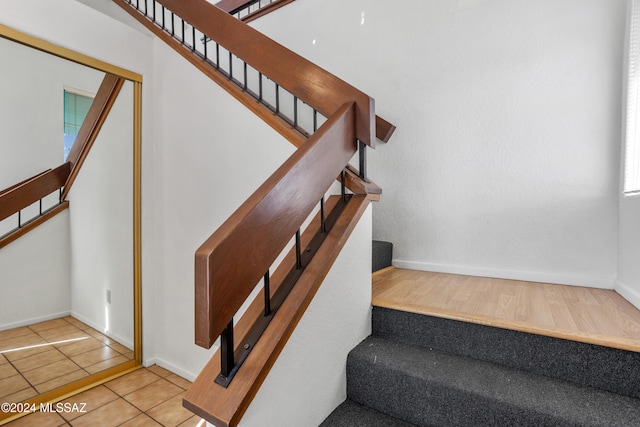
(108,296)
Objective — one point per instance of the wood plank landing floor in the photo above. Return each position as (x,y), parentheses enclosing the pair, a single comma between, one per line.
(595,316)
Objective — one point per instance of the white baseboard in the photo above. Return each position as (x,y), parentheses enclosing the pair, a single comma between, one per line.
(33,321)
(170,367)
(124,341)
(627,292)
(528,276)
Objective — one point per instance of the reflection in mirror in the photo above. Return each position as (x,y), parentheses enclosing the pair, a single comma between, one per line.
(67,285)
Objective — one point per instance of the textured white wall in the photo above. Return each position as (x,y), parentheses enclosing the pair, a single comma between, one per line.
(211,154)
(34,283)
(505,161)
(628,283)
(101,216)
(34,278)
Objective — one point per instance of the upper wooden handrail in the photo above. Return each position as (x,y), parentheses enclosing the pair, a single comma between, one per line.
(6,190)
(315,86)
(95,118)
(34,189)
(230,263)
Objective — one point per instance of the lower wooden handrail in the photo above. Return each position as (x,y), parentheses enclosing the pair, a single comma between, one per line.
(224,407)
(237,255)
(19,197)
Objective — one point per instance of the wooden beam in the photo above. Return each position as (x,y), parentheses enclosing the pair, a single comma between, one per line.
(96,116)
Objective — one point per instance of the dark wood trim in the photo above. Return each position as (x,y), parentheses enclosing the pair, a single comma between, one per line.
(96,116)
(261,228)
(384,129)
(310,83)
(6,190)
(226,406)
(32,190)
(14,235)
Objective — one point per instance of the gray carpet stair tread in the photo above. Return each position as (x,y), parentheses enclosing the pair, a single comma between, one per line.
(352,414)
(430,387)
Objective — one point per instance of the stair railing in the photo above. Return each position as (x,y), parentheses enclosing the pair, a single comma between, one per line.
(240,253)
(32,201)
(293,88)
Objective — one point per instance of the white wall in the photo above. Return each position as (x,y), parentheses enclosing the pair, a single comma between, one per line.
(101,217)
(505,161)
(34,278)
(31,109)
(628,283)
(34,284)
(211,154)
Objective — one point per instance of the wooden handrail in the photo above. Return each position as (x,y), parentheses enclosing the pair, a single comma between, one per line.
(18,198)
(96,116)
(224,407)
(302,78)
(384,129)
(6,190)
(268,218)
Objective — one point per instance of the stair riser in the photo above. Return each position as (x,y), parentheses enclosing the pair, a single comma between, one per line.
(605,368)
(426,404)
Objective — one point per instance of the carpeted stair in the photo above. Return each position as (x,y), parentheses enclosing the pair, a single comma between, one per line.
(382,255)
(429,371)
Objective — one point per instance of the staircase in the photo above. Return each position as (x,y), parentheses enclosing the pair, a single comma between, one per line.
(428,371)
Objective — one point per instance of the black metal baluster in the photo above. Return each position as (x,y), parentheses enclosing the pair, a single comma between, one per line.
(245,76)
(173,24)
(153,14)
(217,55)
(315,120)
(204,41)
(227,361)
(277,98)
(19,219)
(267,295)
(298,251)
(362,151)
(193,38)
(323,219)
(183,30)
(295,111)
(260,86)
(343,179)
(230,65)
(145,7)
(40,206)
(164,12)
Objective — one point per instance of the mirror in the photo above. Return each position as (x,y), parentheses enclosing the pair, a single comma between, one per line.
(70,287)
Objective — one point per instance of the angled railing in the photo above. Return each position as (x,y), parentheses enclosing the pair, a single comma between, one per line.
(293,95)
(96,116)
(330,121)
(20,198)
(32,202)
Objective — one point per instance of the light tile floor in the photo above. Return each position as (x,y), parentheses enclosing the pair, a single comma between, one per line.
(41,357)
(146,397)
